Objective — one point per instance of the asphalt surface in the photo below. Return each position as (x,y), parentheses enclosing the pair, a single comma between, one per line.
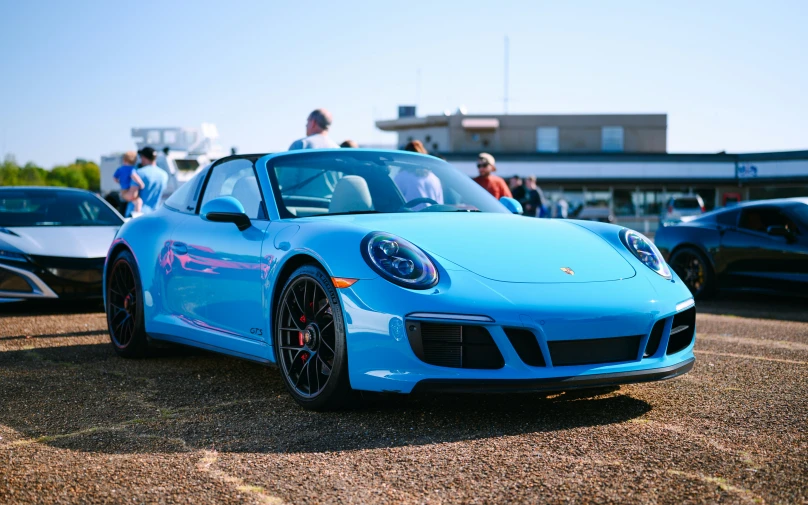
(79,425)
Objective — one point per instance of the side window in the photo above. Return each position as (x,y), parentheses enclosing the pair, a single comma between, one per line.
(729,218)
(183,199)
(760,218)
(236,178)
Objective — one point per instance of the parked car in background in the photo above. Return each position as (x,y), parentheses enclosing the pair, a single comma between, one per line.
(678,207)
(53,242)
(759,245)
(598,213)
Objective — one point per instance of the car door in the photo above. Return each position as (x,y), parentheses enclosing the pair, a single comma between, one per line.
(214,284)
(755,258)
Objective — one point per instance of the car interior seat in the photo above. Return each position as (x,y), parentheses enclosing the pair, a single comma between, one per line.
(351,194)
(246,191)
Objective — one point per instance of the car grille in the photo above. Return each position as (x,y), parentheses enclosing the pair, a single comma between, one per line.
(594,351)
(526,346)
(454,345)
(58,262)
(656,337)
(682,330)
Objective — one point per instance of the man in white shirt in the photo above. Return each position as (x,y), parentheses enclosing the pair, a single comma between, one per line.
(316,132)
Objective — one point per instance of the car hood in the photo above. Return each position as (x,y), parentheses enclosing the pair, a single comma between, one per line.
(505,247)
(63,241)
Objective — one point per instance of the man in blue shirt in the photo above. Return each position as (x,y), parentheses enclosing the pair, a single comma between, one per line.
(154,179)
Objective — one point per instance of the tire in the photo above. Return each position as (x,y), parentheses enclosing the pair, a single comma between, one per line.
(309,330)
(124,307)
(695,270)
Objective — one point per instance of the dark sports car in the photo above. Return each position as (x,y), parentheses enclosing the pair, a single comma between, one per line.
(759,245)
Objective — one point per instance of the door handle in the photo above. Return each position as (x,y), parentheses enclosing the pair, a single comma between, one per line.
(179,248)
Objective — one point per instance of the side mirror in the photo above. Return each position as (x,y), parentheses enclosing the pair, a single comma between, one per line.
(226,209)
(512,205)
(780,231)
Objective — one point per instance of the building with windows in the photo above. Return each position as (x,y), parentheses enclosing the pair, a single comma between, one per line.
(512,133)
(614,165)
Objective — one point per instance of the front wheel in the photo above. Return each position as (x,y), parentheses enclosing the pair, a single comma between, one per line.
(694,270)
(309,338)
(125,308)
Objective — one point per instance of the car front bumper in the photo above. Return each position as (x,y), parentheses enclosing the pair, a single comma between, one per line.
(381,356)
(51,278)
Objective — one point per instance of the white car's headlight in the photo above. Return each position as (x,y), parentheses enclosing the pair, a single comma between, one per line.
(399,261)
(12,256)
(645,251)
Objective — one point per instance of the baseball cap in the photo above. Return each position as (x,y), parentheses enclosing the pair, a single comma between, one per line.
(148,153)
(487,157)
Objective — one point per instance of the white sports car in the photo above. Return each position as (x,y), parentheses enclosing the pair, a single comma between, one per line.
(53,242)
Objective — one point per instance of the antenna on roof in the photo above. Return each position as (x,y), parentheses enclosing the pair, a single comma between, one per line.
(505,99)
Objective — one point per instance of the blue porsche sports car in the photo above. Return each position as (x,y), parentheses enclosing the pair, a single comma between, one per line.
(391,271)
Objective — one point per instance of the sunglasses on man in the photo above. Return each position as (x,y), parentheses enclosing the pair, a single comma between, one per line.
(482,164)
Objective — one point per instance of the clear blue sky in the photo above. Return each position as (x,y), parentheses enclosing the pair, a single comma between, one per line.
(76,76)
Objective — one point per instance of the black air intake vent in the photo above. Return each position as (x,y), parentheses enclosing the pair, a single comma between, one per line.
(683,330)
(526,346)
(454,345)
(594,351)
(656,337)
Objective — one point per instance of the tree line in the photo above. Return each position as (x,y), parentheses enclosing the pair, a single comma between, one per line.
(80,174)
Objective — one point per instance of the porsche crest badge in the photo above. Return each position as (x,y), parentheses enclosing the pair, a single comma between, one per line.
(567,270)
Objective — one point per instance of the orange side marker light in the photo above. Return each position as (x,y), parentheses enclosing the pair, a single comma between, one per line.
(343,282)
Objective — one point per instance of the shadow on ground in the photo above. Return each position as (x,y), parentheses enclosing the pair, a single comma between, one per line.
(756,305)
(83,397)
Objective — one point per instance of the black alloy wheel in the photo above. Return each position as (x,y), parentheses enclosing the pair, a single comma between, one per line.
(694,270)
(310,341)
(124,308)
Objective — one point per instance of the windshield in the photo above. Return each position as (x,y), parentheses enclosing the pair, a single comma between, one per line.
(35,207)
(353,182)
(687,203)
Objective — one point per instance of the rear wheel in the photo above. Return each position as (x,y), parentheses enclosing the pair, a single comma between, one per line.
(309,338)
(695,271)
(125,308)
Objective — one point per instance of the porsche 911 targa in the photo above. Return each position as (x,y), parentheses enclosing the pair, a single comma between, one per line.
(388,271)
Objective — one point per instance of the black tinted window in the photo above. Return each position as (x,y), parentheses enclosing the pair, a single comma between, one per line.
(760,218)
(686,203)
(729,218)
(34,207)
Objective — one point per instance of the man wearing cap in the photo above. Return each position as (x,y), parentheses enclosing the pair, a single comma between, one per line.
(154,179)
(317,126)
(492,183)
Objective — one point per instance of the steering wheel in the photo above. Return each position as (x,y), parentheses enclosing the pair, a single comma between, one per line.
(418,201)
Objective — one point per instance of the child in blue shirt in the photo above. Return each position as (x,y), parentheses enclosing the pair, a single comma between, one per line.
(130,182)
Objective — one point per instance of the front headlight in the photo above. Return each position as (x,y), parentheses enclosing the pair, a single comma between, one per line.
(399,261)
(645,251)
(12,256)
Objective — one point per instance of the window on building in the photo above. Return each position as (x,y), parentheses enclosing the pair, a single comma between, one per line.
(547,139)
(612,138)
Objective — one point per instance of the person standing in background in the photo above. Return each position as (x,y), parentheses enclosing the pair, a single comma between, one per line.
(495,185)
(517,188)
(535,204)
(154,180)
(317,125)
(130,182)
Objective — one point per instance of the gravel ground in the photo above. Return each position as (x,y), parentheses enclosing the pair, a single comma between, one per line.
(79,425)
